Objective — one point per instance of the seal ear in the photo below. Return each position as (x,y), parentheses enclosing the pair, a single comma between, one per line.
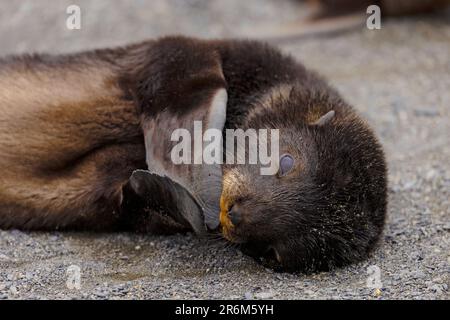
(182,87)
(323,120)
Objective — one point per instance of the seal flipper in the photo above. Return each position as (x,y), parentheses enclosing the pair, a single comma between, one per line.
(175,200)
(181,86)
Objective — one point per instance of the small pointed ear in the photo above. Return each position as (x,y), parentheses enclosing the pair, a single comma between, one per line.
(326,118)
(181,86)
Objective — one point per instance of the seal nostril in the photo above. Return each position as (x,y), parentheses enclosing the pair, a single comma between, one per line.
(235,215)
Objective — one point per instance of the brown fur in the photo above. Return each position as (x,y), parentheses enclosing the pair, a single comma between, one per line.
(68,142)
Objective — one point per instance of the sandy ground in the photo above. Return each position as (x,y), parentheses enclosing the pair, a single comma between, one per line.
(397,77)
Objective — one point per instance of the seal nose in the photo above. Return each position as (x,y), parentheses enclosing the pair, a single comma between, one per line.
(235,214)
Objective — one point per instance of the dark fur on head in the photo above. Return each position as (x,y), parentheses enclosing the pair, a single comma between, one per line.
(329,210)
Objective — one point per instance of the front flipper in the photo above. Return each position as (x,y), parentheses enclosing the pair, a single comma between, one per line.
(164,194)
(181,92)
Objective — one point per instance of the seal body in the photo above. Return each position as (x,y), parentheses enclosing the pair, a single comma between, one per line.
(68,141)
(73,129)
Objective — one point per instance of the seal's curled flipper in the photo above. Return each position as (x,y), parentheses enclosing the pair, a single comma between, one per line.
(174,199)
(181,93)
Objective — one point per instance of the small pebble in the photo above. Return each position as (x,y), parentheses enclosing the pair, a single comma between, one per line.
(13,290)
(264,295)
(377,292)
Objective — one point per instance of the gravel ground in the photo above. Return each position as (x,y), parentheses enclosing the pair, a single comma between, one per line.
(397,77)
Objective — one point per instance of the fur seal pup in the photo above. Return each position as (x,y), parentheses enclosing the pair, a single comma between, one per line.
(75,127)
(326,205)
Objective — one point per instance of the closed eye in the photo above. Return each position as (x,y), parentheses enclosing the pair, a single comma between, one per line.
(286,164)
